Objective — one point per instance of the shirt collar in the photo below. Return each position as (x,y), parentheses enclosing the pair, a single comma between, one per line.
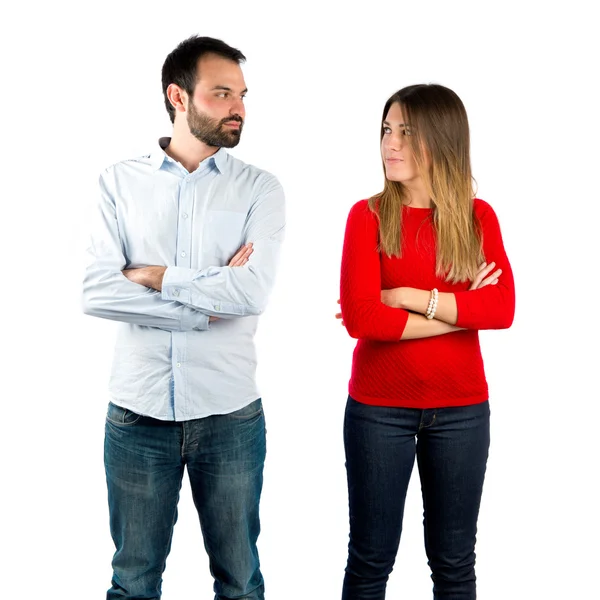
(220,159)
(159,156)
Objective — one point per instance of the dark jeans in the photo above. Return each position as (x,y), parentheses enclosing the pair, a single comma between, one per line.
(145,460)
(451,446)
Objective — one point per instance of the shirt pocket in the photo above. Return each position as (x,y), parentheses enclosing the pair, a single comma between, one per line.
(223,233)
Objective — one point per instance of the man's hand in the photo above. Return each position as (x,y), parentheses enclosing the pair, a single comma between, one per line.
(239,260)
(150,277)
(241,256)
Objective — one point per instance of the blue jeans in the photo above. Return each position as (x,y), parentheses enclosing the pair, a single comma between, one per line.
(451,446)
(145,460)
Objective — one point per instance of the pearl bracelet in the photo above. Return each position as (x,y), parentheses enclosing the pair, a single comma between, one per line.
(432,307)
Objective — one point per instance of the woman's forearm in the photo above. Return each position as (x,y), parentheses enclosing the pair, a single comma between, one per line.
(419,326)
(417,301)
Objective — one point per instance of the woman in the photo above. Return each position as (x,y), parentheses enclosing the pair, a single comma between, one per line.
(415,290)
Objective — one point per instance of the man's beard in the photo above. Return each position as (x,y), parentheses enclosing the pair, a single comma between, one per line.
(213,132)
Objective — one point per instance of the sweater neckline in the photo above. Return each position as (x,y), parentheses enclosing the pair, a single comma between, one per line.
(416,210)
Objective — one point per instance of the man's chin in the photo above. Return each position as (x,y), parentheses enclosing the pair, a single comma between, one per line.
(233,139)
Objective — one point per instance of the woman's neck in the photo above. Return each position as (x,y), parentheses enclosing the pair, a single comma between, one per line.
(417,196)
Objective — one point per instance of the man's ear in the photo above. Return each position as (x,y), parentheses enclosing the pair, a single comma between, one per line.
(178,97)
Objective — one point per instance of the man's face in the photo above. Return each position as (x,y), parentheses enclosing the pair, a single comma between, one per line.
(215,112)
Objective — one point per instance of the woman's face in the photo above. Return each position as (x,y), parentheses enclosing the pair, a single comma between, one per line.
(396,152)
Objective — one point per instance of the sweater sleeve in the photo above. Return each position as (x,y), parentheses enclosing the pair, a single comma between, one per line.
(365,316)
(491,307)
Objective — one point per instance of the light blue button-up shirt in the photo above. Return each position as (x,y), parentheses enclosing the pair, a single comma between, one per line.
(169,362)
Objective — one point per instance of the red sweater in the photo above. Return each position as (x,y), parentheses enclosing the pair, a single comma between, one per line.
(445,370)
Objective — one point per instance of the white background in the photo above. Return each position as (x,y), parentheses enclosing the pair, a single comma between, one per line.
(81,90)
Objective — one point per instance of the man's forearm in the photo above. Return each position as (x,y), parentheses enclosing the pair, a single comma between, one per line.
(151,277)
(112,296)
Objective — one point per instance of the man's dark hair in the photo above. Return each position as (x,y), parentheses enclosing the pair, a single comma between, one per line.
(181,66)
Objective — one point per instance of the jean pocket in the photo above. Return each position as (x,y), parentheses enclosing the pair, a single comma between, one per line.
(250,411)
(117,415)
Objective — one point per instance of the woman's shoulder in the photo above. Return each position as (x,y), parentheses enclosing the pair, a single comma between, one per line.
(483,210)
(362,220)
(486,216)
(362,209)
(481,206)
(362,206)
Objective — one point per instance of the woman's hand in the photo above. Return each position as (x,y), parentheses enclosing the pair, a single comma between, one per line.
(482,279)
(393,297)
(417,301)
(339,315)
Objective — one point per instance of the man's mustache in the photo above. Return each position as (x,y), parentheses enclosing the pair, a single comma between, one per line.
(236,118)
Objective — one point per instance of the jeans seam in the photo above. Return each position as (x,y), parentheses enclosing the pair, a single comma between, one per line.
(183,438)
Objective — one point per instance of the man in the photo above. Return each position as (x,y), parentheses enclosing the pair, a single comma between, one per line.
(184,252)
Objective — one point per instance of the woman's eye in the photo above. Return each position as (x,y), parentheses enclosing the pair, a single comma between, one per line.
(387,130)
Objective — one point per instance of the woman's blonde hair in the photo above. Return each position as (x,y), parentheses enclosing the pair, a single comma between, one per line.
(438,128)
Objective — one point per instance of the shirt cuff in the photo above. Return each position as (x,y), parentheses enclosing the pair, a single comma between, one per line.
(175,284)
(174,287)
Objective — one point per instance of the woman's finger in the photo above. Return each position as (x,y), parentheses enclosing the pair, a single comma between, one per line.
(487,269)
(489,280)
(483,272)
(475,283)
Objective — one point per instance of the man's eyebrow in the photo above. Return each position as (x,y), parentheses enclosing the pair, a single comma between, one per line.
(228,89)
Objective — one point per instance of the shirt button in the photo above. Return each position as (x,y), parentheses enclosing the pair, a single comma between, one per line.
(217,307)
(175,292)
(183,254)
(184,215)
(179,364)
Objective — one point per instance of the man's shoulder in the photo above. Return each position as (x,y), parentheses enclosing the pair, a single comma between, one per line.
(138,163)
(246,172)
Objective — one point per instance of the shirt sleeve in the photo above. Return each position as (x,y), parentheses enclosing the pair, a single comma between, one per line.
(237,291)
(493,306)
(365,316)
(108,294)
